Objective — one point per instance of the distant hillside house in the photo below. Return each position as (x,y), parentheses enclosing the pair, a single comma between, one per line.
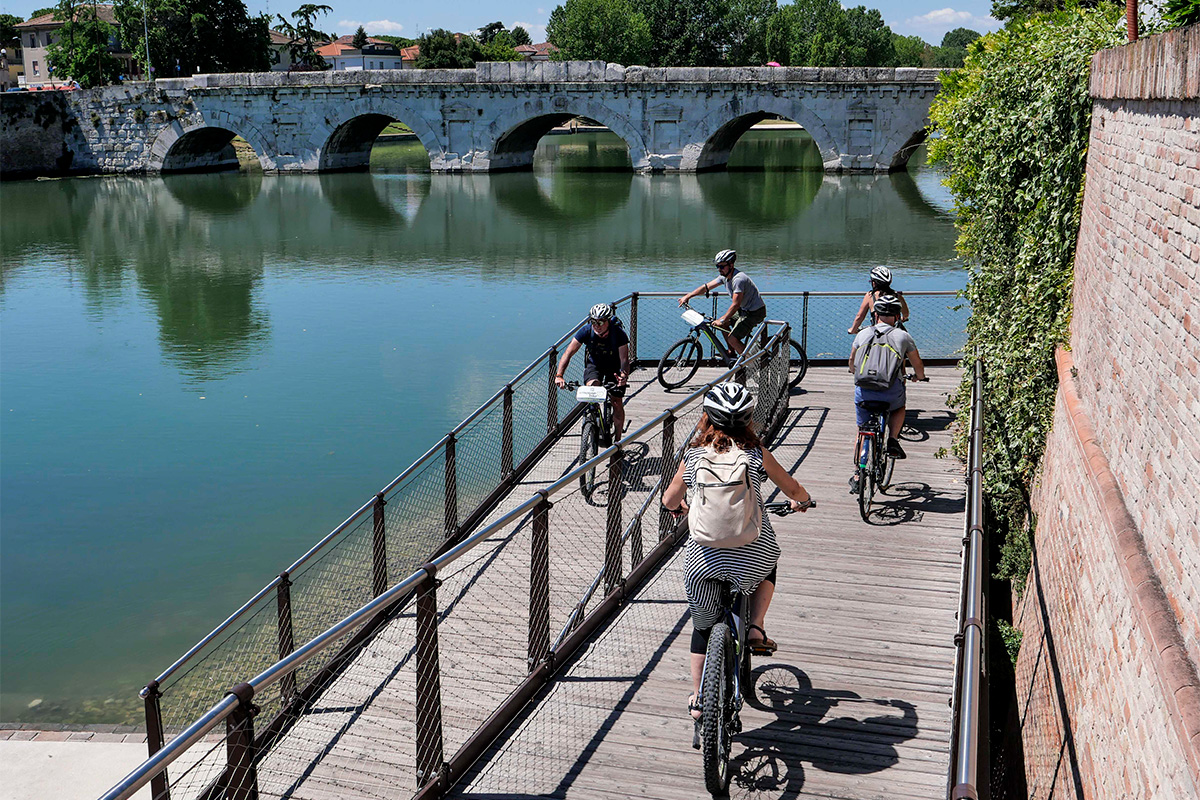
(38,33)
(536,52)
(281,54)
(343,56)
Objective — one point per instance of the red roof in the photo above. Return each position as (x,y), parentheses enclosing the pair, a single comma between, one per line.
(48,21)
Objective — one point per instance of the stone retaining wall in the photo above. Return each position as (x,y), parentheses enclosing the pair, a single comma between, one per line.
(1106,677)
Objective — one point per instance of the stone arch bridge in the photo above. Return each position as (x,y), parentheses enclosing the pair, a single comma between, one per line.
(491,117)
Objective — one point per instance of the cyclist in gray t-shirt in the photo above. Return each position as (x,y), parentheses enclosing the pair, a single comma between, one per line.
(746,306)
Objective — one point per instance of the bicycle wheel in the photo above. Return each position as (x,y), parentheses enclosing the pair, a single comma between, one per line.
(716,692)
(797,365)
(679,363)
(866,481)
(886,469)
(588,447)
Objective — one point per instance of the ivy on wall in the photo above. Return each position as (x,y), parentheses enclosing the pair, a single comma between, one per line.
(1012,128)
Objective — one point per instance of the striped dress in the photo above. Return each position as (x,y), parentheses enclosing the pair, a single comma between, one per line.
(745,566)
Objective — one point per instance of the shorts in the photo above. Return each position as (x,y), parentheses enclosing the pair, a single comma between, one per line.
(744,323)
(593,373)
(893,396)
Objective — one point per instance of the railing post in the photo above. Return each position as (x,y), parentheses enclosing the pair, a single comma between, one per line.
(506,434)
(552,398)
(451,489)
(666,520)
(633,329)
(714,308)
(637,550)
(159,784)
(241,776)
(429,683)
(804,326)
(287,641)
(379,573)
(612,538)
(539,585)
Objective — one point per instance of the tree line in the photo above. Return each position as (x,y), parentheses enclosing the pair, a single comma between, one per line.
(711,33)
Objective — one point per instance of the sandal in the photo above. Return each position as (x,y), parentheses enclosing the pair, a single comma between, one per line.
(760,647)
(693,708)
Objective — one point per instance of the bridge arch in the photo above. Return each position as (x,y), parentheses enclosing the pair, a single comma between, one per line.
(515,134)
(900,146)
(715,142)
(205,147)
(344,139)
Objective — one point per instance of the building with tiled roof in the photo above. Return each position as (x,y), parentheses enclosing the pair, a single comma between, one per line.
(342,55)
(38,33)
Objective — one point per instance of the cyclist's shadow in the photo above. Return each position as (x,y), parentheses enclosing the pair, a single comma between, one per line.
(772,763)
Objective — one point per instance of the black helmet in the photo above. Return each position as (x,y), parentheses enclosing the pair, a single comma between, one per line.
(729,406)
(888,305)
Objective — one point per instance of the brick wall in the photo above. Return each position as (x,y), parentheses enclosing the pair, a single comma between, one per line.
(1106,677)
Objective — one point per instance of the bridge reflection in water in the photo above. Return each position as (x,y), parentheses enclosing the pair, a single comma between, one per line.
(576,603)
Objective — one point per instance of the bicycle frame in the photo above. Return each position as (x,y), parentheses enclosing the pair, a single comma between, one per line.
(876,427)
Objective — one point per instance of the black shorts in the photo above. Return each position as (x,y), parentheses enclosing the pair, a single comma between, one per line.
(593,373)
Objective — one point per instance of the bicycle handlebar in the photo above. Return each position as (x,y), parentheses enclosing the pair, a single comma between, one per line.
(613,387)
(914,378)
(785,508)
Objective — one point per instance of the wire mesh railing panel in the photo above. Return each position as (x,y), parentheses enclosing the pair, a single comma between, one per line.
(198,769)
(356,737)
(249,647)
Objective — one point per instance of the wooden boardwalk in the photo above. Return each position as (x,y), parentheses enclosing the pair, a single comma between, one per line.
(854,705)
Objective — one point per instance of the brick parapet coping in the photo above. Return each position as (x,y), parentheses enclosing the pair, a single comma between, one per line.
(1165,66)
(53,732)
(1172,665)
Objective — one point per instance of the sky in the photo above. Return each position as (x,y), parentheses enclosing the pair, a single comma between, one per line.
(929,19)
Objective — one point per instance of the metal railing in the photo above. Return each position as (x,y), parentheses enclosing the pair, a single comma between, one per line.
(938,322)
(968,730)
(422,655)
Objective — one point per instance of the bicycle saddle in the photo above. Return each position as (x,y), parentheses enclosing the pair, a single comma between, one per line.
(874,405)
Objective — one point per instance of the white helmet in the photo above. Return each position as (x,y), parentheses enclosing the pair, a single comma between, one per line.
(729,406)
(725,258)
(601,311)
(882,275)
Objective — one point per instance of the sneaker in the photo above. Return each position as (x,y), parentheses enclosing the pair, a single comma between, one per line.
(895,450)
(854,483)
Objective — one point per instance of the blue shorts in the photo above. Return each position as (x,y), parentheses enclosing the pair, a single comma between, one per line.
(893,396)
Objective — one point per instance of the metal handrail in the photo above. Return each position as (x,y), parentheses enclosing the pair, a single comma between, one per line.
(351,520)
(719,293)
(137,779)
(968,692)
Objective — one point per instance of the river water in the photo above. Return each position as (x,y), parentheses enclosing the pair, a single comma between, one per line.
(203,374)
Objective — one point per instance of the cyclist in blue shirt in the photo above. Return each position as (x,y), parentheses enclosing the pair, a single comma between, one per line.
(606,358)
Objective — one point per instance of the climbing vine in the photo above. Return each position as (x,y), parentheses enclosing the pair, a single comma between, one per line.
(1012,126)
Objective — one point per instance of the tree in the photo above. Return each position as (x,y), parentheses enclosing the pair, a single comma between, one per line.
(8,29)
(399,41)
(746,24)
(954,48)
(868,39)
(441,49)
(360,39)
(489,32)
(303,33)
(910,51)
(1010,9)
(1181,12)
(520,36)
(80,52)
(500,48)
(820,33)
(188,36)
(689,32)
(608,30)
(40,12)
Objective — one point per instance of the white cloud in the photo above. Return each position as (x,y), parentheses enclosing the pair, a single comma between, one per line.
(536,32)
(945,19)
(374,27)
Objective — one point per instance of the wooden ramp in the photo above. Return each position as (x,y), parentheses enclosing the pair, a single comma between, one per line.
(856,702)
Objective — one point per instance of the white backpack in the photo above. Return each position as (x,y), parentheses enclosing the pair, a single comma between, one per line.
(724,510)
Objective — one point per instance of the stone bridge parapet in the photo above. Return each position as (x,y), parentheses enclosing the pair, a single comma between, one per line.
(491,117)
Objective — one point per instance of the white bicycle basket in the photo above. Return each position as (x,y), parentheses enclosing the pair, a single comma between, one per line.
(692,317)
(591,394)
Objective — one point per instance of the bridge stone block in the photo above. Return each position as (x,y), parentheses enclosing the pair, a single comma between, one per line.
(614,72)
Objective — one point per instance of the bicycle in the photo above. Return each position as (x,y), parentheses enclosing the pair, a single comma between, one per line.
(597,429)
(874,464)
(683,358)
(726,674)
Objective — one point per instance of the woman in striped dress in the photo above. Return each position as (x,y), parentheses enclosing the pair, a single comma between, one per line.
(728,422)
